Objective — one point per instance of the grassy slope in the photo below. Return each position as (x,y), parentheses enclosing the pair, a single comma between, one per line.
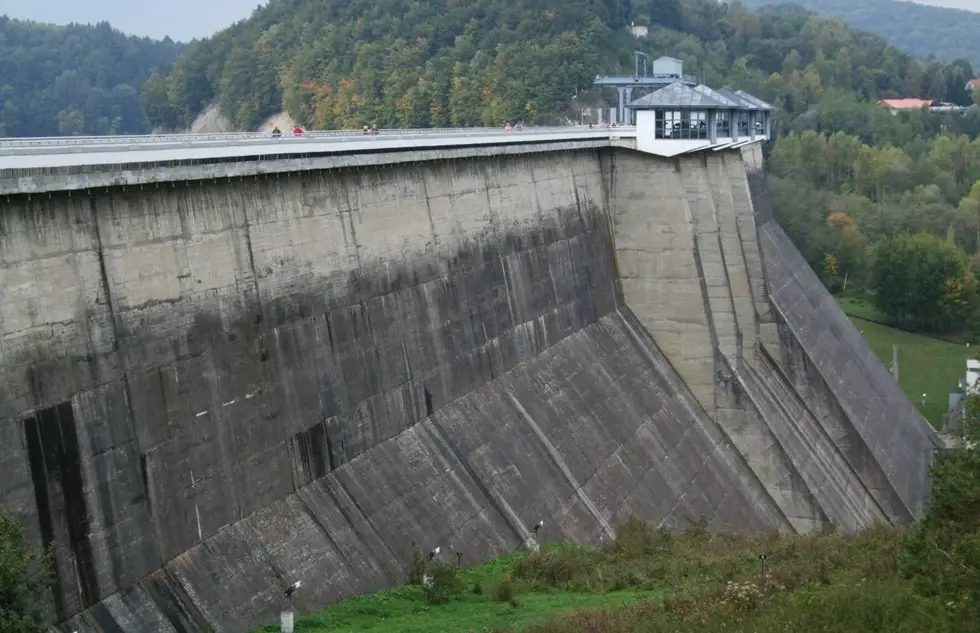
(926,365)
(404,609)
(651,581)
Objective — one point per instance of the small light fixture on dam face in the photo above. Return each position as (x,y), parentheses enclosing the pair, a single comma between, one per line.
(286,617)
(291,589)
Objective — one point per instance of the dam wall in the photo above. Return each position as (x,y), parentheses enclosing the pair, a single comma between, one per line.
(840,379)
(212,388)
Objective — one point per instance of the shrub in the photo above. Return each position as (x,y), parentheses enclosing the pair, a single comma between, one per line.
(508,590)
(446,583)
(416,569)
(25,575)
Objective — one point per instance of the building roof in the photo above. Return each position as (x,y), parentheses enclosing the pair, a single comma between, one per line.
(974,82)
(681,95)
(673,59)
(905,104)
(759,103)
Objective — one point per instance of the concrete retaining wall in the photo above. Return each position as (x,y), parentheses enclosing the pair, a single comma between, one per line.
(211,390)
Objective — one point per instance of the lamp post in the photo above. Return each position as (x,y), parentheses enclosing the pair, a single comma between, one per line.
(426,577)
(532,541)
(286,617)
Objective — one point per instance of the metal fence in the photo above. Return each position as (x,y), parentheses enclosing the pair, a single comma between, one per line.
(225,137)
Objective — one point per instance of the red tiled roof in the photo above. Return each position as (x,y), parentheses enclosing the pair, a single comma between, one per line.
(974,82)
(905,104)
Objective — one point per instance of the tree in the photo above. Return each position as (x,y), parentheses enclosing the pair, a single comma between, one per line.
(970,208)
(911,276)
(75,79)
(942,553)
(935,82)
(156,104)
(24,579)
(850,246)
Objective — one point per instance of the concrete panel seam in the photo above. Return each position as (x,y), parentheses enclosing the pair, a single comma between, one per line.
(851,416)
(367,520)
(758,491)
(494,501)
(854,477)
(563,468)
(786,461)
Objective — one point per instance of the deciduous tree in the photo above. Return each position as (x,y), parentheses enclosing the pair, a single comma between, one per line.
(24,579)
(911,277)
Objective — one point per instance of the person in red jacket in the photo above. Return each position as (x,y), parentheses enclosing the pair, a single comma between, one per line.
(297,131)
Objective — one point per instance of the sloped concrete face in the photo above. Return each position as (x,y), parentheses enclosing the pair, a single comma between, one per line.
(762,345)
(847,390)
(212,390)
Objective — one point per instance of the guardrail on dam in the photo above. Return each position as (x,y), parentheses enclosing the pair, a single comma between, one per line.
(230,368)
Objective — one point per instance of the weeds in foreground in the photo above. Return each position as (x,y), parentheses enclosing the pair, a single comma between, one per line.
(443,583)
(416,569)
(723,582)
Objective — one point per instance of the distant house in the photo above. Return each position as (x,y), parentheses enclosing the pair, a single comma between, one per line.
(899,105)
(909,105)
(972,85)
(957,395)
(639,30)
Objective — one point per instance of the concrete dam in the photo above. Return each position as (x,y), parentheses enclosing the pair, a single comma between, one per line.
(222,375)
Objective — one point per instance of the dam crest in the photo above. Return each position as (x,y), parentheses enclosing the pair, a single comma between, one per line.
(292,367)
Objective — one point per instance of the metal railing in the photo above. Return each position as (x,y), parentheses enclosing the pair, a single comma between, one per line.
(226,137)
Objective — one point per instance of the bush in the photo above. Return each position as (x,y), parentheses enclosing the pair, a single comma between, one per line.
(942,553)
(445,585)
(416,569)
(508,590)
(25,575)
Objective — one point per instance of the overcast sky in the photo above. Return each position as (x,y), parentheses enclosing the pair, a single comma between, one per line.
(182,20)
(969,5)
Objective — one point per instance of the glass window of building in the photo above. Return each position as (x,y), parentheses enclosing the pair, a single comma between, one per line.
(681,124)
(743,123)
(668,124)
(722,123)
(698,124)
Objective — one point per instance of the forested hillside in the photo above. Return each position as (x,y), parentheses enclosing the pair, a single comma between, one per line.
(337,64)
(61,80)
(923,31)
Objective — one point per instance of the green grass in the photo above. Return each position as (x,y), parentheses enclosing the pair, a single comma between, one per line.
(653,581)
(861,308)
(926,365)
(404,609)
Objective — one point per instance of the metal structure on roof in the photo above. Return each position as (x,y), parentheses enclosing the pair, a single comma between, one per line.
(626,84)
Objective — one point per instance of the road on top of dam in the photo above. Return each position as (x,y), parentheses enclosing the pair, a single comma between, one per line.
(53,153)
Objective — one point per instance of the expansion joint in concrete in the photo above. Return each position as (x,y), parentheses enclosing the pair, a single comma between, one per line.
(705,301)
(104,275)
(849,415)
(247,231)
(761,489)
(498,503)
(577,488)
(375,534)
(428,212)
(329,537)
(840,463)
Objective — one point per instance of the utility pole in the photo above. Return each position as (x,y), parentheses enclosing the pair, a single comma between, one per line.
(895,362)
